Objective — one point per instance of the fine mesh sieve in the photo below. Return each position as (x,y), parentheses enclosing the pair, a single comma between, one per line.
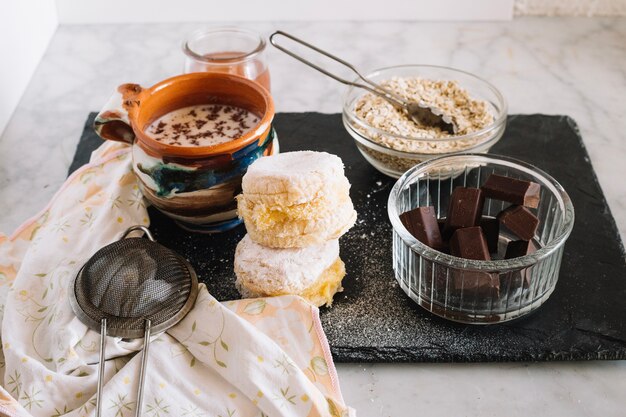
(132,288)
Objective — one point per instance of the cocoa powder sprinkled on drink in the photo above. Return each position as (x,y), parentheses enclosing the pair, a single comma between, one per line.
(202,125)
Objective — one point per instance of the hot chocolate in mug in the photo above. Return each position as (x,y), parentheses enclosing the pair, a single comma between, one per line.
(193,137)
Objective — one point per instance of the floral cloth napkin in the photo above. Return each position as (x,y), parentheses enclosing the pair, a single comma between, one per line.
(261,357)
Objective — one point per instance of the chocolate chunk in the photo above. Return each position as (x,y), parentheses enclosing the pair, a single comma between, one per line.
(470,243)
(441,223)
(517,248)
(465,209)
(470,283)
(491,229)
(445,244)
(523,193)
(519,220)
(421,222)
(479,284)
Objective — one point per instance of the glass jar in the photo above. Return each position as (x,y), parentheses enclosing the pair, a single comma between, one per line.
(227,50)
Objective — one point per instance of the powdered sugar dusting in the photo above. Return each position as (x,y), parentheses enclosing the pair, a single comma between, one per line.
(282,271)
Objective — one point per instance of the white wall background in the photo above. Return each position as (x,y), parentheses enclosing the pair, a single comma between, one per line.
(26,27)
(115,11)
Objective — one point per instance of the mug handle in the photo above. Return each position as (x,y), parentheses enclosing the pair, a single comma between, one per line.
(113,121)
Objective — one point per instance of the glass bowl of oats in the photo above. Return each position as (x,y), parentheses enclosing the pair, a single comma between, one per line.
(393,143)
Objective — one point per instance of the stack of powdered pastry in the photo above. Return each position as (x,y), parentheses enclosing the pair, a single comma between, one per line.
(465,233)
(295,207)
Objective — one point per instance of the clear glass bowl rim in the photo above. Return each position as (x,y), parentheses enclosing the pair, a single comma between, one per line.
(198,33)
(474,265)
(498,120)
(490,141)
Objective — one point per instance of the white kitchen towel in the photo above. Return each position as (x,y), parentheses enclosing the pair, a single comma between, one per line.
(258,357)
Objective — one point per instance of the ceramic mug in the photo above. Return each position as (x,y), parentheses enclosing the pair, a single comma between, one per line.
(195,185)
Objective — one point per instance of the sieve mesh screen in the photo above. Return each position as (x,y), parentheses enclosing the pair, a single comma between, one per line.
(132,280)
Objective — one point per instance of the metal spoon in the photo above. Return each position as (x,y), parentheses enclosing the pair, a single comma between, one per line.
(419,112)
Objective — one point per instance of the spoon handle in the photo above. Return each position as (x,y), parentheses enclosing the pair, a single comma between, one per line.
(372,87)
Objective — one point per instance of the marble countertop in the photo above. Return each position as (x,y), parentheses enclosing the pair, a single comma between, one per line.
(571,66)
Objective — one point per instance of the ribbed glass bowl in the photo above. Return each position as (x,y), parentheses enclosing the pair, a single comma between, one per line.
(441,283)
(393,161)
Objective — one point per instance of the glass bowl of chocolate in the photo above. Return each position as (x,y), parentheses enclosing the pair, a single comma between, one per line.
(483,246)
(393,143)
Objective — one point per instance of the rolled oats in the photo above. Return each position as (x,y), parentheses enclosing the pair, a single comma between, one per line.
(468,114)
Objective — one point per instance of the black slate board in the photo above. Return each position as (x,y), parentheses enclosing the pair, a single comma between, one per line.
(374,321)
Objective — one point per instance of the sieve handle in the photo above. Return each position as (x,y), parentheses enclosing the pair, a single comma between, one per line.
(142,371)
(369,85)
(103,335)
(135,228)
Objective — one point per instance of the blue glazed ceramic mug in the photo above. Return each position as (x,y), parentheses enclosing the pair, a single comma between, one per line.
(196,186)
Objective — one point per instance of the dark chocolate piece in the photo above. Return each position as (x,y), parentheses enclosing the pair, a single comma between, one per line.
(519,220)
(421,222)
(517,248)
(491,229)
(441,223)
(483,284)
(465,209)
(446,233)
(523,193)
(470,243)
(446,241)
